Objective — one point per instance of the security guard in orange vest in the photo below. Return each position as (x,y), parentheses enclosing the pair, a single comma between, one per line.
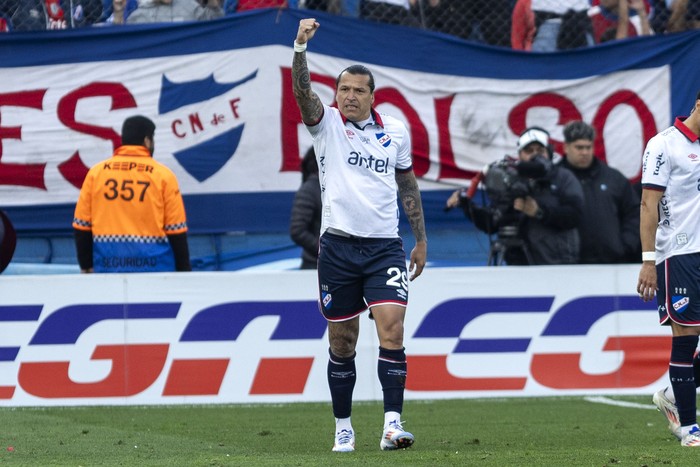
(130,216)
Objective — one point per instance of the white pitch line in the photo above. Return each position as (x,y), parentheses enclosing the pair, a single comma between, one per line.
(608,401)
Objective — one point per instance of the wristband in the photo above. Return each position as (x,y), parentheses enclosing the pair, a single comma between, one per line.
(299,47)
(648,256)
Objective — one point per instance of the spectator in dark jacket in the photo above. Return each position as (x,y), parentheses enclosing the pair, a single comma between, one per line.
(610,227)
(305,221)
(482,20)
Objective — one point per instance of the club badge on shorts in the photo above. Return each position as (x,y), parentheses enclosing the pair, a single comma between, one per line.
(327,300)
(680,303)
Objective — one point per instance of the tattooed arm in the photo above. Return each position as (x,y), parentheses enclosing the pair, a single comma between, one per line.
(410,199)
(307,100)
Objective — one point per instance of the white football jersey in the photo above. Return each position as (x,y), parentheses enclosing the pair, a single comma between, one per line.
(671,163)
(356,171)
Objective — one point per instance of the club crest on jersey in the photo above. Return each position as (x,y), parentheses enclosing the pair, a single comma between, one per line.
(384,139)
(680,303)
(349,133)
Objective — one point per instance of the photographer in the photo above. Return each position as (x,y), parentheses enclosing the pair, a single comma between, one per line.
(534,207)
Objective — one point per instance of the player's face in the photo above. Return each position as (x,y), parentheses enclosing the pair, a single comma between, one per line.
(532,150)
(354,97)
(579,153)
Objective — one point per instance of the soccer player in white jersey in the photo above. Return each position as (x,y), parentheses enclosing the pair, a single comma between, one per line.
(670,234)
(363,159)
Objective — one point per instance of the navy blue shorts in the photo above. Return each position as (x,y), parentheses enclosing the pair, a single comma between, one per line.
(356,273)
(678,297)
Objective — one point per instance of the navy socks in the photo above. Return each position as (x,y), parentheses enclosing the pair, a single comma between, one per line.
(682,376)
(392,376)
(341,381)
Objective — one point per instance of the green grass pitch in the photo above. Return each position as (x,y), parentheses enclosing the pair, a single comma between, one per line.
(558,431)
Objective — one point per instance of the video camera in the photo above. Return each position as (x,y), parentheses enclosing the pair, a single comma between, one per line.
(508,179)
(504,181)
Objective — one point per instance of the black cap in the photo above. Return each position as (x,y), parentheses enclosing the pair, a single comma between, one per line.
(135,129)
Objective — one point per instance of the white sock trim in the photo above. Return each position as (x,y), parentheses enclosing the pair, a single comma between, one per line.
(342,424)
(687,429)
(391,417)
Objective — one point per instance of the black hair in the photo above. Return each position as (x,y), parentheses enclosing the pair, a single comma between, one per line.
(135,129)
(578,130)
(308,164)
(697,98)
(358,70)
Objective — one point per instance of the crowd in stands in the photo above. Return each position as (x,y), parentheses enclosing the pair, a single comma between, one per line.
(537,25)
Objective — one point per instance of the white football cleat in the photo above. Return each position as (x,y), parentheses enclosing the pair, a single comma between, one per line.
(692,439)
(344,441)
(669,409)
(395,437)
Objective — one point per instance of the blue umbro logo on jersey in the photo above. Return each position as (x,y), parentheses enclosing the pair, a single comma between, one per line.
(384,140)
